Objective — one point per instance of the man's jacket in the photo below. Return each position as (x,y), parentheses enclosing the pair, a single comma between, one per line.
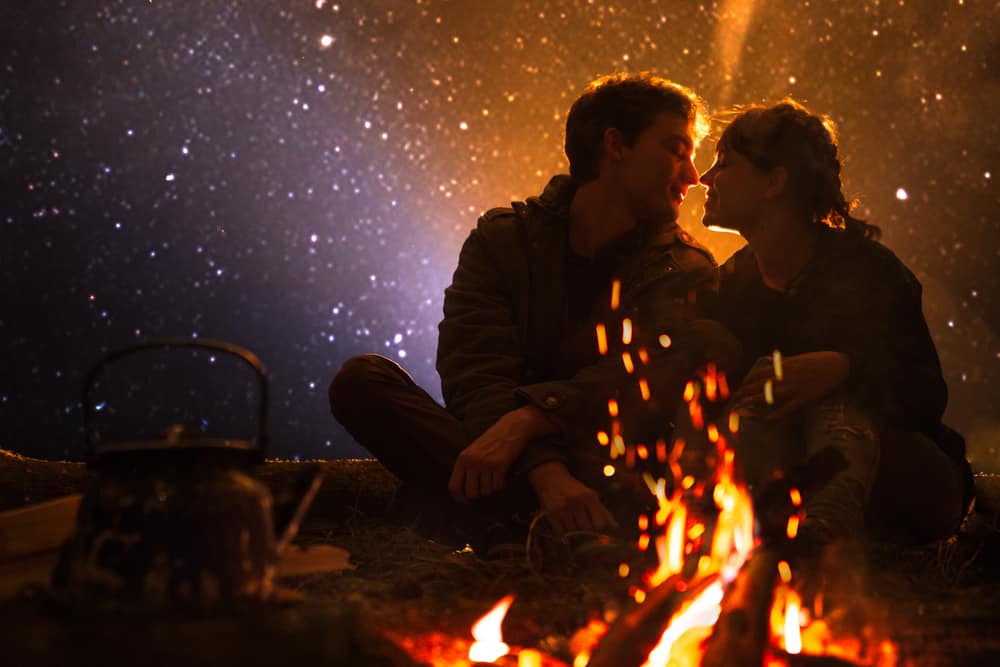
(505,312)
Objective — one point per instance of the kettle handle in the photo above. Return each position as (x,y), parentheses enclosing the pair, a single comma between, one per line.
(166,343)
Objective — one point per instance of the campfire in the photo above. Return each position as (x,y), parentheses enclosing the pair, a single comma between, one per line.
(722,591)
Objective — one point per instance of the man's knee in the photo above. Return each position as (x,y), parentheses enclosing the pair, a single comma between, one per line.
(354,383)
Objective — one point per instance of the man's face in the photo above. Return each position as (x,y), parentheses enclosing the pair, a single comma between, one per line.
(658,169)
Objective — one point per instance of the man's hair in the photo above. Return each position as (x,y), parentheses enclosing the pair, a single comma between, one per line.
(629,103)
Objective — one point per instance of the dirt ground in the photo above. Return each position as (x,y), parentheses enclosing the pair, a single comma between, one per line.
(939,604)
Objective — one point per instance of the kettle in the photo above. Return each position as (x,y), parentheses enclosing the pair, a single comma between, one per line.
(179,520)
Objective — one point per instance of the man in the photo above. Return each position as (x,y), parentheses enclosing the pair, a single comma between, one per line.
(525,385)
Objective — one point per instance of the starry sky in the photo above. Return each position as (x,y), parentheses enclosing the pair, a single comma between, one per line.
(297,177)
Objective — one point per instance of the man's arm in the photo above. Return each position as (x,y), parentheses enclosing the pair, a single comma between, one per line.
(480,361)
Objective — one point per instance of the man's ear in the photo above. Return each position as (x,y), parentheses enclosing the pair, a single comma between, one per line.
(777,179)
(613,144)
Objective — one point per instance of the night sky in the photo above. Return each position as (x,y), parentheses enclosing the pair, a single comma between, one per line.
(297,177)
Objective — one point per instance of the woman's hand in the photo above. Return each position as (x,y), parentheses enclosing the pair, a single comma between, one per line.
(805,379)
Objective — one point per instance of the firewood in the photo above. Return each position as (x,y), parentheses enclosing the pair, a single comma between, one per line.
(636,632)
(741,633)
(37,528)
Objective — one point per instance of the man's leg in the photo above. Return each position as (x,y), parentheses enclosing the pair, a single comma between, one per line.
(388,414)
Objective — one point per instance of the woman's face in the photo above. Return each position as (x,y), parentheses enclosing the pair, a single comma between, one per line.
(737,191)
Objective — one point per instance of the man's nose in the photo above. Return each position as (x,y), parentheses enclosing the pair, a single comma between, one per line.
(690,173)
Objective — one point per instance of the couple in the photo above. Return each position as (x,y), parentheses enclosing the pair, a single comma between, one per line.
(526,386)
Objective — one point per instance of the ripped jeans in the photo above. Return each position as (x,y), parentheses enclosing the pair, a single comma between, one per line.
(766,447)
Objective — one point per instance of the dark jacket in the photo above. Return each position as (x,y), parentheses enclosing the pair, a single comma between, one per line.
(854,297)
(505,319)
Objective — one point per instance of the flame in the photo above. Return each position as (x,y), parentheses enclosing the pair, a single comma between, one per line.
(626,331)
(489,645)
(616,294)
(701,612)
(793,638)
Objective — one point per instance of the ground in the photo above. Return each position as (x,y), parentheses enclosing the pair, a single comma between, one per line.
(940,604)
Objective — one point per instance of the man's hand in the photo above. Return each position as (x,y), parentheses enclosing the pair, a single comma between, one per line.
(481,468)
(567,503)
(806,378)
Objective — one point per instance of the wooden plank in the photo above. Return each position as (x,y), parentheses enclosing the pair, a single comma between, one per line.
(37,528)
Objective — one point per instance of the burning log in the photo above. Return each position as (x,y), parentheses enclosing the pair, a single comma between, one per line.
(631,638)
(741,633)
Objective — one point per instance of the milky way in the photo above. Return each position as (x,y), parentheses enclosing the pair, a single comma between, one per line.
(297,177)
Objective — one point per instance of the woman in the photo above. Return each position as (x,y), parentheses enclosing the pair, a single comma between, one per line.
(856,368)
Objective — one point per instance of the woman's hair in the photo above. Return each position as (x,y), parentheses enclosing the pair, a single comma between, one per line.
(788,135)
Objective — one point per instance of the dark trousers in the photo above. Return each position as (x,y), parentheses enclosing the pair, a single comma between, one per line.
(391,416)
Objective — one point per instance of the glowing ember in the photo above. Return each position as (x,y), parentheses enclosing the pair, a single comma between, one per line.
(602,339)
(489,645)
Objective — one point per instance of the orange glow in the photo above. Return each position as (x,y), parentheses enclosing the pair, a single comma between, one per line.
(734,422)
(665,341)
(687,482)
(623,570)
(612,407)
(793,636)
(627,331)
(643,522)
(639,596)
(723,386)
(785,572)
(619,446)
(643,355)
(711,383)
(529,657)
(793,526)
(769,392)
(602,339)
(489,645)
(643,541)
(696,531)
(627,362)
(609,471)
(616,294)
(713,433)
(796,497)
(697,419)
(642,452)
(603,438)
(661,451)
(779,372)
(689,391)
(644,389)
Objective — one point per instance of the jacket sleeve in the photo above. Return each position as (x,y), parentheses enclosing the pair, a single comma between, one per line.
(479,356)
(894,364)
